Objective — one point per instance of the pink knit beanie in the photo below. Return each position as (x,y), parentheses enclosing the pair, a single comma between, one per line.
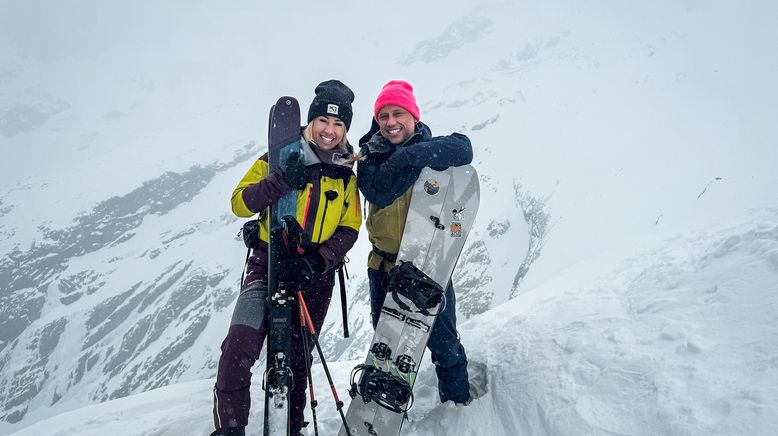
(399,93)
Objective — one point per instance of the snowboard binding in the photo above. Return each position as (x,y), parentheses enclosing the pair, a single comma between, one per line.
(387,390)
(412,283)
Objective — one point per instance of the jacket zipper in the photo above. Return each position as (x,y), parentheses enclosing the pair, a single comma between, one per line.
(330,196)
(307,206)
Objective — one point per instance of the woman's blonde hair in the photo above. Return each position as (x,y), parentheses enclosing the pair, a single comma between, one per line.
(308,136)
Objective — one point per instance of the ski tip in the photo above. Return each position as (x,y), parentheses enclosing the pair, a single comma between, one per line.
(286,101)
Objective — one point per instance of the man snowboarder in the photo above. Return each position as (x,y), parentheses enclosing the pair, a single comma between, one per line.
(394,152)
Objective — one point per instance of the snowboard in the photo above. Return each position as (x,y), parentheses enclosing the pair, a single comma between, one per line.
(283,139)
(441,213)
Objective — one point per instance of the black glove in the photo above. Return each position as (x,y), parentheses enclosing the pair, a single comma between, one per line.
(294,172)
(289,240)
(386,173)
(300,269)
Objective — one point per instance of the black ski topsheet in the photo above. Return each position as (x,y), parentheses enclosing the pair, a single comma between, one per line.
(283,138)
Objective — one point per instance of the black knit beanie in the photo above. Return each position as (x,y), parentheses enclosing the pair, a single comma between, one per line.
(332,98)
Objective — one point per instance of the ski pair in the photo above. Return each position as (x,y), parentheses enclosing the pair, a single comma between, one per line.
(286,237)
(283,140)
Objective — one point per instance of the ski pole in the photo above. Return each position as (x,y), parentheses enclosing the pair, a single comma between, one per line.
(343,298)
(314,403)
(312,329)
(245,264)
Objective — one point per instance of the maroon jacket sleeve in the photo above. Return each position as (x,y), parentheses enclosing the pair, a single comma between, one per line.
(259,196)
(334,249)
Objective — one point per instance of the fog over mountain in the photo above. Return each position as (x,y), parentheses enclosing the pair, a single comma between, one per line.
(620,278)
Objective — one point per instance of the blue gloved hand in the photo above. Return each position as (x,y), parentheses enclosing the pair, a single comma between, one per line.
(387,172)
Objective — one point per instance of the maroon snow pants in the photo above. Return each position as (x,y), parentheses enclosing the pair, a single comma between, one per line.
(241,347)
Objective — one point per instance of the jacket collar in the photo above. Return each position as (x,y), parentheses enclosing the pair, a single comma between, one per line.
(378,144)
(311,156)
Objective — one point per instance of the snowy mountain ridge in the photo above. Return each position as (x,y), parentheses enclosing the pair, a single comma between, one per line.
(655,337)
(122,138)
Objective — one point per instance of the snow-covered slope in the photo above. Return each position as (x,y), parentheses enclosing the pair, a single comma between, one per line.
(124,128)
(676,336)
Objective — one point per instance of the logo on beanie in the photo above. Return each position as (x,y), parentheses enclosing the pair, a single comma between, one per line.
(332,109)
